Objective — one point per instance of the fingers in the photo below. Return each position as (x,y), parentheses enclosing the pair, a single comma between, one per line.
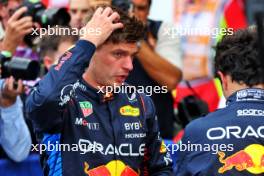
(107,11)
(24,20)
(114,16)
(10,83)
(98,11)
(18,13)
(118,25)
(16,29)
(20,87)
(104,19)
(24,25)
(9,87)
(26,31)
(9,94)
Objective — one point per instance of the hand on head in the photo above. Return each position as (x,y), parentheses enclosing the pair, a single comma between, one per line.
(104,20)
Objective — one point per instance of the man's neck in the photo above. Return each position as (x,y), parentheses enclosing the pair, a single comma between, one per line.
(88,78)
(234,87)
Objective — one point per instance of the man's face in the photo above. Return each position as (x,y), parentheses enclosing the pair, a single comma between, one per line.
(112,63)
(141,9)
(62,48)
(53,57)
(78,11)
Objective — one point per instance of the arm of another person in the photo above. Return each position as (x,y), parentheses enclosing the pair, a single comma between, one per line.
(164,63)
(191,160)
(14,134)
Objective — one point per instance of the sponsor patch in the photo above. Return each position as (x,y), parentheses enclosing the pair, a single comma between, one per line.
(129,111)
(250,112)
(87,108)
(83,122)
(250,159)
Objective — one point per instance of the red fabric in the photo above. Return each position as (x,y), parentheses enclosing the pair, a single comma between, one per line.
(50,3)
(235,14)
(45,2)
(178,137)
(207,91)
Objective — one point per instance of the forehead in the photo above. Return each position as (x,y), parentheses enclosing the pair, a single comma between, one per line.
(140,2)
(79,4)
(100,2)
(13,4)
(131,48)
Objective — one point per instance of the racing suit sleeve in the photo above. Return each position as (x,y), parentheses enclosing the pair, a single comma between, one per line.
(159,160)
(45,104)
(183,157)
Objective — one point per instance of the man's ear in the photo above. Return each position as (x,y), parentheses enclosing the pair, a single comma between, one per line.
(47,62)
(223,79)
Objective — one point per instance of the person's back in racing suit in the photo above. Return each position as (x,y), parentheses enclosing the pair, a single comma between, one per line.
(230,141)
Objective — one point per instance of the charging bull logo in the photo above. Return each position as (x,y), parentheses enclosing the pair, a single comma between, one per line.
(113,168)
(250,159)
(262,161)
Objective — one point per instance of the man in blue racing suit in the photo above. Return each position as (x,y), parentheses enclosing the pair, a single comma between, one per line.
(230,141)
(94,132)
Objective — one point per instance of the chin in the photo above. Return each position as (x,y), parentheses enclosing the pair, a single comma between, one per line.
(117,84)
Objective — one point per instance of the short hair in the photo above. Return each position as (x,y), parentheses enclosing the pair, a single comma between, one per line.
(50,43)
(132,32)
(149,2)
(237,55)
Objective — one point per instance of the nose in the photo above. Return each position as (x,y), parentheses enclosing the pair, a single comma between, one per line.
(79,15)
(128,63)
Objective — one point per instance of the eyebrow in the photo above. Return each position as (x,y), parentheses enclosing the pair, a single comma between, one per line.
(124,51)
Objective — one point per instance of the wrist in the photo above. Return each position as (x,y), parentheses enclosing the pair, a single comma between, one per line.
(9,47)
(6,102)
(90,39)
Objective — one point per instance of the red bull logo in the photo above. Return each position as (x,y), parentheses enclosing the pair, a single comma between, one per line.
(262,161)
(163,148)
(113,168)
(250,159)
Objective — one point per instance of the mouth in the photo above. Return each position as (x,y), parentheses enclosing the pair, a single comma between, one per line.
(121,78)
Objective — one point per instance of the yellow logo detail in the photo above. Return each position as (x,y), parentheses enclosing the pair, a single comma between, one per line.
(129,111)
(163,147)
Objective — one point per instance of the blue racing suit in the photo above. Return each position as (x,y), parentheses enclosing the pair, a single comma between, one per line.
(95,133)
(227,142)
